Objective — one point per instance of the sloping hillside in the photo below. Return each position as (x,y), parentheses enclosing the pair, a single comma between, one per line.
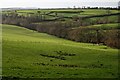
(27,54)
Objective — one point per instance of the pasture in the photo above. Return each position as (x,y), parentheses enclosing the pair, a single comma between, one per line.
(29,54)
(63,12)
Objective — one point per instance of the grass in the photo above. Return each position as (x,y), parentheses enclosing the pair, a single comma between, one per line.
(105,26)
(97,11)
(65,12)
(28,54)
(108,26)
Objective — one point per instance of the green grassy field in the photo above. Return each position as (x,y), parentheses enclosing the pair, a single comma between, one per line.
(28,54)
(102,26)
(106,26)
(86,12)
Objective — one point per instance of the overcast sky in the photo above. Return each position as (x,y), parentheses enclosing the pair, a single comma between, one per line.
(57,3)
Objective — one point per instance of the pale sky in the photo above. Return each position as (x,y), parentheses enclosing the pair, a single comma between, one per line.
(57,3)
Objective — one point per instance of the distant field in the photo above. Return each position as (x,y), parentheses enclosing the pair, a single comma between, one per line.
(29,54)
(103,26)
(89,11)
(77,12)
(106,26)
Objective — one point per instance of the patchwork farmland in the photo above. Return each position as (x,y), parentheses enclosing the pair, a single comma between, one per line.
(60,43)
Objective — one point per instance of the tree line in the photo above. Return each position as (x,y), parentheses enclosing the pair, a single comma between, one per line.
(74,29)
